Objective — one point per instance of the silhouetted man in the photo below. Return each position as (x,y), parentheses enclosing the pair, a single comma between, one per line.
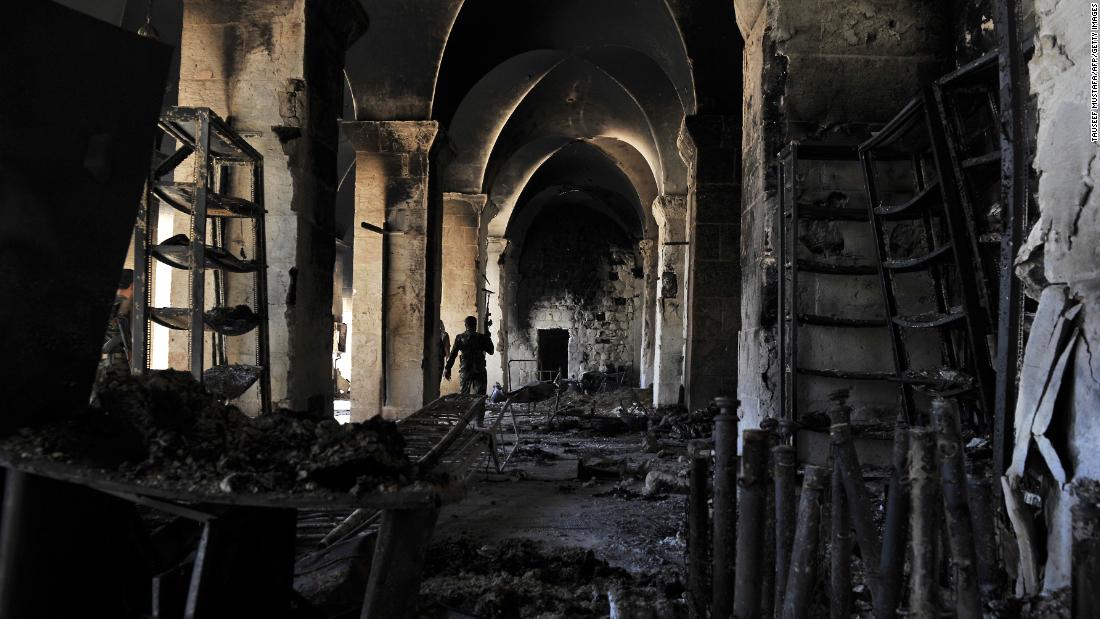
(473,346)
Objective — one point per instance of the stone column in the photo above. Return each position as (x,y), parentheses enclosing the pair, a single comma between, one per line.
(672,267)
(274,70)
(391,276)
(462,281)
(496,365)
(646,247)
(715,317)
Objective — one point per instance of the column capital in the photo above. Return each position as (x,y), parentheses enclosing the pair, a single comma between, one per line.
(391,136)
(669,208)
(475,201)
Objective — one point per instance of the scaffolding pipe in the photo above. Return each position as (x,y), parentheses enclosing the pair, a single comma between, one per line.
(698,529)
(840,550)
(859,506)
(785,479)
(960,531)
(922,521)
(725,507)
(767,565)
(896,530)
(750,524)
(980,494)
(800,579)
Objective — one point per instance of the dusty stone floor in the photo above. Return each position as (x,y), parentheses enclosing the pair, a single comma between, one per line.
(537,540)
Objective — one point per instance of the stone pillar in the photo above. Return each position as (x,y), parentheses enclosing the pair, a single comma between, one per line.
(715,317)
(274,70)
(462,281)
(647,247)
(496,364)
(391,278)
(672,267)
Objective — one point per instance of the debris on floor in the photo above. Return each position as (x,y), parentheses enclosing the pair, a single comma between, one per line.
(163,429)
(523,579)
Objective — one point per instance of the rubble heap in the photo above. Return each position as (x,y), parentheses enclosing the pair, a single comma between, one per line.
(163,429)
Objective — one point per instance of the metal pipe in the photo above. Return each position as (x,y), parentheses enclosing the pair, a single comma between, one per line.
(980,494)
(752,480)
(840,550)
(1086,557)
(698,529)
(784,457)
(725,507)
(767,565)
(922,521)
(960,531)
(800,579)
(896,531)
(859,506)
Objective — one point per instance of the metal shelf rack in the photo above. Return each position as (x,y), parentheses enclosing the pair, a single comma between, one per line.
(214,151)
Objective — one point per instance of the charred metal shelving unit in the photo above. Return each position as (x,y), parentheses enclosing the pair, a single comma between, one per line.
(793,210)
(959,320)
(214,150)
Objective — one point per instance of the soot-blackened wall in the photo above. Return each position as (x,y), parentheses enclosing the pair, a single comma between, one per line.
(578,270)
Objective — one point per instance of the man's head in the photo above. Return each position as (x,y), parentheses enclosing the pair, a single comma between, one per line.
(471,323)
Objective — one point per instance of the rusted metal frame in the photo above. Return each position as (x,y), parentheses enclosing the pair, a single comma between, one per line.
(430,459)
(398,561)
(960,230)
(950,134)
(804,557)
(197,272)
(725,508)
(896,530)
(752,482)
(868,160)
(960,531)
(785,506)
(923,516)
(840,550)
(145,235)
(1014,197)
(851,474)
(937,271)
(173,161)
(698,528)
(263,350)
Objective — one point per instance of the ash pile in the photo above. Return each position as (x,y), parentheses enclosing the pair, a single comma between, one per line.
(163,429)
(515,579)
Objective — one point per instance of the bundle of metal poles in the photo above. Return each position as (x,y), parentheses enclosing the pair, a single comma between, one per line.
(766,552)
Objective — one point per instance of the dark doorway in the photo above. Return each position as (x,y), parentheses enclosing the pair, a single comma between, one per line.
(553,353)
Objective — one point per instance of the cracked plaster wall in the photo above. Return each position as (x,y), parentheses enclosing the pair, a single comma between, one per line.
(1069,228)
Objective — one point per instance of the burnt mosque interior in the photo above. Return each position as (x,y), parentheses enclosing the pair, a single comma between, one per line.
(486,309)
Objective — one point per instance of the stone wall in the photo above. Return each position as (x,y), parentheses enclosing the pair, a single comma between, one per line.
(814,70)
(579,272)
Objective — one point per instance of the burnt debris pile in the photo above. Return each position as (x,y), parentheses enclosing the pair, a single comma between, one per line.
(164,429)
